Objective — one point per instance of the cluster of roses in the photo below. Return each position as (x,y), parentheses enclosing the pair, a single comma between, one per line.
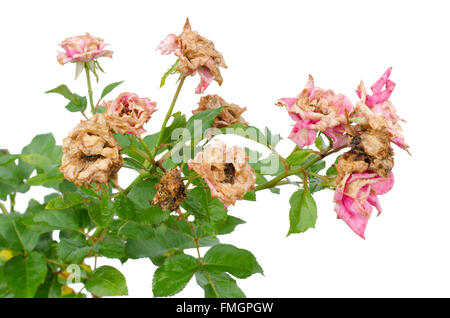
(369,128)
(92,155)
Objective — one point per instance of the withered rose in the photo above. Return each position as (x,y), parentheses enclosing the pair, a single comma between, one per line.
(197,55)
(128,113)
(170,191)
(318,109)
(229,115)
(378,111)
(226,171)
(91,154)
(82,48)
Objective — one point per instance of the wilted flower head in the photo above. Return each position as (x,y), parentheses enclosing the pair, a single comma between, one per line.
(128,113)
(318,109)
(91,154)
(359,193)
(229,115)
(82,48)
(377,109)
(226,171)
(197,55)
(362,174)
(170,191)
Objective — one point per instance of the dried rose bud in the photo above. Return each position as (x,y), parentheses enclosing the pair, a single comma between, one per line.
(128,113)
(170,191)
(229,115)
(91,154)
(226,171)
(82,48)
(197,55)
(318,109)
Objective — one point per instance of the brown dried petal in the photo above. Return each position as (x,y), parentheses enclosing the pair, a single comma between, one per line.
(226,171)
(91,154)
(229,116)
(196,51)
(170,191)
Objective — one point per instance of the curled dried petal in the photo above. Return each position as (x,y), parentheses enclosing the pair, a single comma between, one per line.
(128,113)
(229,115)
(170,191)
(226,171)
(91,154)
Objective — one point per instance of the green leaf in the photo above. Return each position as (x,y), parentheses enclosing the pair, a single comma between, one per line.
(199,123)
(230,225)
(133,230)
(250,196)
(36,160)
(62,90)
(67,219)
(18,237)
(74,249)
(47,178)
(303,212)
(124,207)
(109,88)
(298,157)
(143,193)
(224,285)
(101,211)
(78,104)
(228,258)
(51,288)
(172,70)
(65,201)
(25,274)
(209,212)
(111,247)
(107,281)
(173,275)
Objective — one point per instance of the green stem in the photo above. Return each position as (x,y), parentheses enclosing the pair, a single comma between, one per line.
(136,181)
(12,198)
(88,78)
(3,208)
(169,111)
(147,150)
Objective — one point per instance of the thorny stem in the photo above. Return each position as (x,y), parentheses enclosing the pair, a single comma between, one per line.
(272,183)
(169,111)
(88,78)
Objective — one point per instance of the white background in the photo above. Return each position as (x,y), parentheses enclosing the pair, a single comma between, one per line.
(270,48)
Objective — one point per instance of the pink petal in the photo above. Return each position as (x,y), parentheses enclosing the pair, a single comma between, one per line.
(337,135)
(355,220)
(302,135)
(205,79)
(168,45)
(383,185)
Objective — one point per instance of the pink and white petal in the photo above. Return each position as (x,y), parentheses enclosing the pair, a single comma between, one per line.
(337,135)
(378,85)
(168,45)
(206,77)
(301,135)
(373,199)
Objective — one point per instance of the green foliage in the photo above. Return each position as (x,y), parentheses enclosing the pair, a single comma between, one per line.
(108,89)
(77,103)
(303,212)
(107,281)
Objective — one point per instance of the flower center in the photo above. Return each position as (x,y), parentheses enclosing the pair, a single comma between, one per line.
(230,173)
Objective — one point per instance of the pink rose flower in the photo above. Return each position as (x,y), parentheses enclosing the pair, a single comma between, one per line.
(317,109)
(378,110)
(128,113)
(82,48)
(356,195)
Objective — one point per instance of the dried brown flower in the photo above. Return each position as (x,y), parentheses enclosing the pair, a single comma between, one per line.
(229,115)
(170,191)
(370,150)
(91,154)
(226,171)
